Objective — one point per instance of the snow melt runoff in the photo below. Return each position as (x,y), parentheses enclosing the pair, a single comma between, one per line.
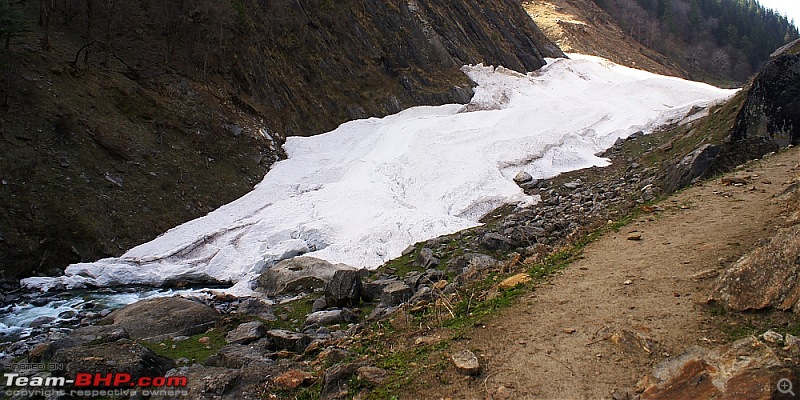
(362,193)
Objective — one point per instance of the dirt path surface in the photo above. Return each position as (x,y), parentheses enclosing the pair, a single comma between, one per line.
(611,316)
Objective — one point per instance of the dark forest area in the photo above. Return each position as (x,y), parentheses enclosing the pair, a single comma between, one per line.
(723,41)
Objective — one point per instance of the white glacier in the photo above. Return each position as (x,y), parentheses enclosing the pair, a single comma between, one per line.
(362,193)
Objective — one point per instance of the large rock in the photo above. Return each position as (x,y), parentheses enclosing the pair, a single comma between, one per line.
(164,317)
(770,116)
(426,258)
(769,276)
(246,333)
(396,293)
(336,380)
(470,261)
(256,307)
(771,110)
(373,291)
(288,340)
(117,357)
(496,241)
(330,317)
(466,362)
(298,274)
(694,165)
(344,289)
(746,369)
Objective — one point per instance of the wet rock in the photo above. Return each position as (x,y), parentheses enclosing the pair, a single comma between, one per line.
(466,362)
(257,308)
(344,289)
(396,293)
(164,317)
(330,317)
(298,274)
(292,379)
(115,357)
(246,333)
(288,340)
(426,259)
(41,321)
(769,276)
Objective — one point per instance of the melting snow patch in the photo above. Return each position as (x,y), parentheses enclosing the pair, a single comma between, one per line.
(362,193)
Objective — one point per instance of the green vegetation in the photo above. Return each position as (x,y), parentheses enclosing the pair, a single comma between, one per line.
(196,349)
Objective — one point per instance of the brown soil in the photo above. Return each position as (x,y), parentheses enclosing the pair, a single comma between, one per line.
(559,342)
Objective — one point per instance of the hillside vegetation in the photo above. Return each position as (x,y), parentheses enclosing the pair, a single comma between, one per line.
(720,41)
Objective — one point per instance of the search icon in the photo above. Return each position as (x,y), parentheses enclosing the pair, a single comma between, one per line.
(785,386)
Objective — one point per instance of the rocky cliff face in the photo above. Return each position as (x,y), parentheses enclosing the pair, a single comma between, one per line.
(321,63)
(119,120)
(772,109)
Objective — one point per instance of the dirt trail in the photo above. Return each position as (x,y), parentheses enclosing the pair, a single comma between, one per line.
(555,344)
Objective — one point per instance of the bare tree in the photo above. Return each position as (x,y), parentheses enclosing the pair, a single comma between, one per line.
(111,9)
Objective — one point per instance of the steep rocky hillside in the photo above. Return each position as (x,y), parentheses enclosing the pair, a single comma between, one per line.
(121,119)
(580,26)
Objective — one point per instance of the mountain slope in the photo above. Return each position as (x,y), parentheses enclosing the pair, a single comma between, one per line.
(362,193)
(580,26)
(122,119)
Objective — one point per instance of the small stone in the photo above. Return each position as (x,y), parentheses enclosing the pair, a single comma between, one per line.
(569,330)
(204,340)
(427,259)
(426,341)
(628,282)
(408,250)
(709,273)
(319,304)
(636,236)
(515,280)
(372,375)
(292,379)
(466,362)
(522,177)
(39,350)
(771,336)
(792,342)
